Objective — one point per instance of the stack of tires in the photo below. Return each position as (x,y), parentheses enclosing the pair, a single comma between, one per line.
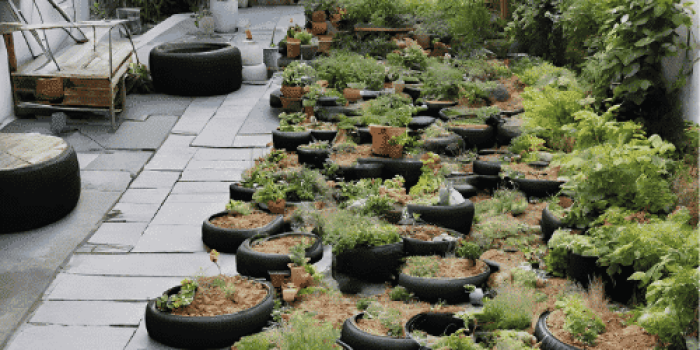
(252,58)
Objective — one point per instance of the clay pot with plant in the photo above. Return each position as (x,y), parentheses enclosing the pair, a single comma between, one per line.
(209,312)
(273,195)
(387,140)
(300,277)
(294,79)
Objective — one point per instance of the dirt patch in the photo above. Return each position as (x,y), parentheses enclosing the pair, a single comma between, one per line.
(372,326)
(280,245)
(532,215)
(515,87)
(535,174)
(616,335)
(455,268)
(210,300)
(422,232)
(349,158)
(507,260)
(254,220)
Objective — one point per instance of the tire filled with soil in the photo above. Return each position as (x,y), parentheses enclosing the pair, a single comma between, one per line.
(450,289)
(225,233)
(272,253)
(356,338)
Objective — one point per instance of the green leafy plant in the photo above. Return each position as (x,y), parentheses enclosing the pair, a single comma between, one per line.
(388,317)
(303,36)
(270,191)
(297,254)
(238,207)
(457,341)
(400,293)
(364,303)
(295,73)
(548,110)
(468,250)
(581,322)
(512,308)
(422,266)
(525,278)
(182,298)
(528,146)
(346,230)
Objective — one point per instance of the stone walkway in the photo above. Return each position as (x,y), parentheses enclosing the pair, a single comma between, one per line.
(83,282)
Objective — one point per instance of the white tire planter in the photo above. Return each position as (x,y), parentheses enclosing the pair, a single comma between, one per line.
(225,15)
(255,73)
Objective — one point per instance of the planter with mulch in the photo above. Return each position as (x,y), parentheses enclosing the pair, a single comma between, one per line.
(355,337)
(435,324)
(456,217)
(241,193)
(258,258)
(313,157)
(409,168)
(449,280)
(212,320)
(372,264)
(225,232)
(617,335)
(536,182)
(290,140)
(425,240)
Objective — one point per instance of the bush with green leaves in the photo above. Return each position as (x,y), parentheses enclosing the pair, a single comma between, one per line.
(528,146)
(422,266)
(547,74)
(364,303)
(557,259)
(525,278)
(400,293)
(238,207)
(468,250)
(457,341)
(388,317)
(344,67)
(580,321)
(548,110)
(381,13)
(512,308)
(270,191)
(535,29)
(182,298)
(441,82)
(412,57)
(300,333)
(295,72)
(346,230)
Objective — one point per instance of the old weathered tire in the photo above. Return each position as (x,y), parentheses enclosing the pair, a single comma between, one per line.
(479,138)
(456,217)
(449,289)
(290,140)
(228,240)
(374,264)
(483,167)
(313,157)
(196,69)
(538,188)
(414,247)
(39,194)
(450,145)
(548,224)
(583,269)
(358,339)
(410,169)
(362,171)
(257,264)
(275,101)
(206,331)
(240,193)
(324,135)
(436,324)
(547,339)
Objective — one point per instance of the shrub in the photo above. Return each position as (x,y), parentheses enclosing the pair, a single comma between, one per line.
(581,322)
(468,250)
(400,293)
(512,308)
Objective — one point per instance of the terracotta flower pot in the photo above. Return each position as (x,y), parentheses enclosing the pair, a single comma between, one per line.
(398,87)
(423,40)
(292,91)
(291,104)
(351,94)
(289,294)
(293,47)
(318,28)
(298,277)
(309,110)
(277,278)
(318,16)
(380,140)
(324,46)
(336,17)
(277,207)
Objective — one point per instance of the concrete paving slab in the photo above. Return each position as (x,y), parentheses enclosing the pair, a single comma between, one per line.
(84,159)
(219,133)
(248,141)
(177,143)
(197,114)
(199,187)
(145,195)
(171,239)
(131,161)
(81,142)
(232,112)
(73,337)
(219,164)
(189,126)
(138,106)
(207,175)
(104,181)
(134,135)
(155,179)
(262,119)
(221,197)
(132,212)
(222,154)
(109,288)
(89,313)
(261,152)
(163,161)
(141,341)
(161,265)
(185,213)
(123,233)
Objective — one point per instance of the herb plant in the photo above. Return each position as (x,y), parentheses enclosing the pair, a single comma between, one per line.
(581,322)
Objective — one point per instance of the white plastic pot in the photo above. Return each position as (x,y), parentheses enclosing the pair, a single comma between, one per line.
(225,14)
(251,53)
(255,73)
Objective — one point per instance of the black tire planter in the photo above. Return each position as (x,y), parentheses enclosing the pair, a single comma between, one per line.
(313,157)
(435,108)
(39,194)
(207,331)
(417,247)
(420,122)
(442,145)
(365,136)
(327,101)
(412,90)
(370,94)
(483,167)
(583,269)
(538,188)
(449,289)
(456,217)
(362,171)
(410,169)
(324,135)
(227,240)
(490,182)
(290,140)
(358,339)
(479,138)
(435,323)
(618,287)
(548,224)
(196,69)
(275,101)
(547,339)
(505,135)
(240,193)
(257,264)
(373,264)
(466,190)
(494,266)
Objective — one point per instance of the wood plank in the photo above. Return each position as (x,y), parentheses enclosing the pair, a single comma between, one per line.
(81,61)
(10,27)
(10,48)
(29,149)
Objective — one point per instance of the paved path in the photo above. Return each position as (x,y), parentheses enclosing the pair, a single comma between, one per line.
(83,282)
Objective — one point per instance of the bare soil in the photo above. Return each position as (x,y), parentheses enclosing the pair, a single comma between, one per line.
(616,335)
(210,300)
(422,232)
(456,268)
(280,245)
(348,159)
(550,173)
(254,220)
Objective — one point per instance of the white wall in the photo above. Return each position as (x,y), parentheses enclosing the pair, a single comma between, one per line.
(56,38)
(690,94)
